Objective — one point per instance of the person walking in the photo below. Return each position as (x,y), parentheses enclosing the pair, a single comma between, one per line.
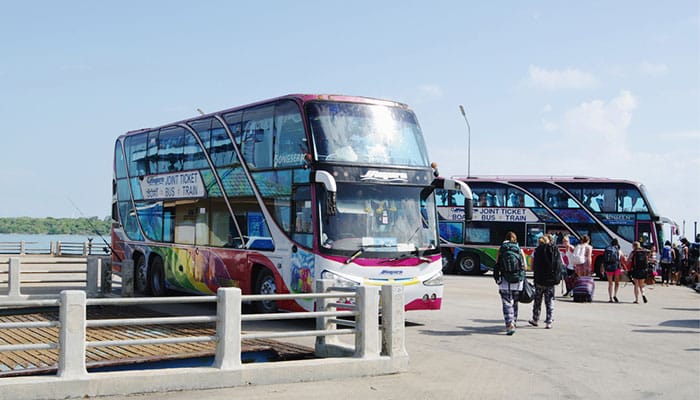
(612,259)
(666,261)
(639,265)
(583,253)
(546,265)
(569,278)
(509,274)
(683,257)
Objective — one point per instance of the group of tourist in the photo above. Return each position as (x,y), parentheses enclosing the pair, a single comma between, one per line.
(677,264)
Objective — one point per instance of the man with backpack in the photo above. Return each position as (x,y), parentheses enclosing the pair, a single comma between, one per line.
(509,273)
(668,258)
(611,262)
(639,265)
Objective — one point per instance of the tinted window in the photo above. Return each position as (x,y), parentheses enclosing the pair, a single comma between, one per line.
(256,140)
(290,139)
(136,153)
(170,150)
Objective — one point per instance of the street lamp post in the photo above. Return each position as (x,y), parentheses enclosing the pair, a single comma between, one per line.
(469,142)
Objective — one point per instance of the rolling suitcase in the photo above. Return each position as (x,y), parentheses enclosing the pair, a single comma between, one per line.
(583,291)
(570,282)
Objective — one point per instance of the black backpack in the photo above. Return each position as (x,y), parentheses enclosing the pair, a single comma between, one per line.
(510,262)
(557,264)
(640,260)
(694,250)
(611,258)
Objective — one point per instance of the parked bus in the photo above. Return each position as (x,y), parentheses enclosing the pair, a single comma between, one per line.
(531,206)
(271,196)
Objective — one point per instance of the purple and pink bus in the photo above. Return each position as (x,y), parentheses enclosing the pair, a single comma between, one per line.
(271,196)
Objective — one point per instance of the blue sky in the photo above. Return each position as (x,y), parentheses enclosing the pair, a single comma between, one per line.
(597,88)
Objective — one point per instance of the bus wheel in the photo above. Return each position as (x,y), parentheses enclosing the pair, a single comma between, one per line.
(447,266)
(468,264)
(265,284)
(156,277)
(140,275)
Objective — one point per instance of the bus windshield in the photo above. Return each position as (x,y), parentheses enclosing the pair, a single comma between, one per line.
(380,218)
(364,133)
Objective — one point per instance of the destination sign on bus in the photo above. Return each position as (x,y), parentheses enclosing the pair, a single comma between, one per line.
(504,214)
(179,185)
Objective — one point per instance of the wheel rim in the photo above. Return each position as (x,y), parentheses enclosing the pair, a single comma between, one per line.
(267,286)
(466,264)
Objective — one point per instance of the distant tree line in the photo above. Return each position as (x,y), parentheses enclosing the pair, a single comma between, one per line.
(55,226)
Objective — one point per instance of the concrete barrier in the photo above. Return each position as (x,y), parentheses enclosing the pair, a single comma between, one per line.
(377,350)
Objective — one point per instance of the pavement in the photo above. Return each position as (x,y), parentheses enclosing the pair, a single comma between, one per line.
(594,351)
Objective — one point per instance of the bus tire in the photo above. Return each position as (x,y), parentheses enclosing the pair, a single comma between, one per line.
(265,284)
(468,264)
(156,277)
(447,264)
(140,274)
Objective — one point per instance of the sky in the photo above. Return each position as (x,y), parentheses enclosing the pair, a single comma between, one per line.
(594,88)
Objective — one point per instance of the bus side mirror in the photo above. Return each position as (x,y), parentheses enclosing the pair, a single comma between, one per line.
(453,184)
(328,182)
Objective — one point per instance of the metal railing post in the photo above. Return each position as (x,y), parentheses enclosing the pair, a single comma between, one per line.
(321,348)
(91,275)
(228,328)
(13,277)
(127,278)
(367,323)
(71,342)
(393,324)
(22,247)
(106,275)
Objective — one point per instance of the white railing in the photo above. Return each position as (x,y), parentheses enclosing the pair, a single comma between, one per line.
(94,274)
(57,248)
(376,350)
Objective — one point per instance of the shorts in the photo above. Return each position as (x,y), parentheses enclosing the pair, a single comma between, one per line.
(617,272)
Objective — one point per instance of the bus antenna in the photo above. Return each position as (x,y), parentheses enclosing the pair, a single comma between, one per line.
(199,110)
(95,230)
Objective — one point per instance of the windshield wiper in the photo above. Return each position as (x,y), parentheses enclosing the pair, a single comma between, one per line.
(362,249)
(355,255)
(414,254)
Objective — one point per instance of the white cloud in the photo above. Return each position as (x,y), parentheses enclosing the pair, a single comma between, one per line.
(430,91)
(650,69)
(599,119)
(569,78)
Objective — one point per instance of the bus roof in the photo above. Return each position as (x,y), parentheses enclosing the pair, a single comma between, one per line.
(297,97)
(544,178)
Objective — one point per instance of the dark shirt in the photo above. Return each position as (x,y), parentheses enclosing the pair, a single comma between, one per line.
(544,264)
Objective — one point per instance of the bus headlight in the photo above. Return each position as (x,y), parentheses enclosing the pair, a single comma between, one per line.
(435,280)
(338,280)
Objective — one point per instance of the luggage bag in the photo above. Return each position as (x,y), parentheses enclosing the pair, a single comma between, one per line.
(583,290)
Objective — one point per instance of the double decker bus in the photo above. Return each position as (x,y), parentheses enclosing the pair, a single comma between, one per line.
(532,206)
(271,196)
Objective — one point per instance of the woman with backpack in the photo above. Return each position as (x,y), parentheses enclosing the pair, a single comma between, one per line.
(546,264)
(509,273)
(612,259)
(639,266)
(583,253)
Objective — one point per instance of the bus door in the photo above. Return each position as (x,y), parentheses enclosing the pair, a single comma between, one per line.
(533,233)
(645,234)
